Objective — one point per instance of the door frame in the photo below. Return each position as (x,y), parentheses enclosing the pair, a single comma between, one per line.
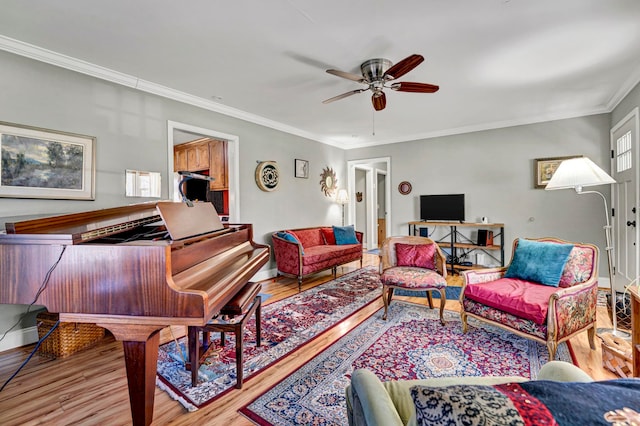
(368,164)
(634,116)
(233,162)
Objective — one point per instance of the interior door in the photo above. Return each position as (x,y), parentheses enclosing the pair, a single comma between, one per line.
(624,143)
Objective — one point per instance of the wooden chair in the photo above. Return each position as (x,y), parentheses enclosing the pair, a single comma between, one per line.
(244,304)
(407,275)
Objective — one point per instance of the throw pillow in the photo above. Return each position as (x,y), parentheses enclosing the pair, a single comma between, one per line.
(345,235)
(539,261)
(290,237)
(329,238)
(532,402)
(419,255)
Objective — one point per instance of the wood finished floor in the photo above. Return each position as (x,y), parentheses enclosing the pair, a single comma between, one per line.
(90,387)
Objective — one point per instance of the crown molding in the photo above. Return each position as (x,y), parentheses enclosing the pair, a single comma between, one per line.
(73,64)
(67,62)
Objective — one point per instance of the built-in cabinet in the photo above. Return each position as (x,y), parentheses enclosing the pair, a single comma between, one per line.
(459,244)
(208,156)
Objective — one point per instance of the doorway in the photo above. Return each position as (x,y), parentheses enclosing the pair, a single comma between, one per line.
(181,132)
(624,145)
(371,197)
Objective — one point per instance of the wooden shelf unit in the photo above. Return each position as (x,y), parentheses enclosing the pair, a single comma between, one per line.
(457,242)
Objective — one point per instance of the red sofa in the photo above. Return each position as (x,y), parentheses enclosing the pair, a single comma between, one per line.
(316,252)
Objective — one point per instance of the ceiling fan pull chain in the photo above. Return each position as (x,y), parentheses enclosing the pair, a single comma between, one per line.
(373,123)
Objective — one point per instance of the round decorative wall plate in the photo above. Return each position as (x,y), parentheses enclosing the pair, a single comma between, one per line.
(404,187)
(267,175)
(328,181)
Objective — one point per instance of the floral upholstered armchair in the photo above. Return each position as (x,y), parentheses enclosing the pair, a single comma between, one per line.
(413,264)
(547,293)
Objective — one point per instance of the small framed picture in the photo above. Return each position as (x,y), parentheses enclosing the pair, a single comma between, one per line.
(546,167)
(301,168)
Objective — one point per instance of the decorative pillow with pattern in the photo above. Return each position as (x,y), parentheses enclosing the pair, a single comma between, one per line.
(419,255)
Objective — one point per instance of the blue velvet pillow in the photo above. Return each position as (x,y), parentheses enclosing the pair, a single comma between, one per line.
(345,235)
(289,237)
(540,262)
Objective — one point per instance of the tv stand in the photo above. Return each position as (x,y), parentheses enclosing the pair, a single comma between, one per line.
(459,244)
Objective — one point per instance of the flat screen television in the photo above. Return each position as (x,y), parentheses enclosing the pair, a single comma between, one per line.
(449,207)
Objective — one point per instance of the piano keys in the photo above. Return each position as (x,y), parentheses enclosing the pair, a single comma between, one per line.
(120,268)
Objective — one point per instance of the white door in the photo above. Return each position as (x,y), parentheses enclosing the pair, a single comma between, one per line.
(624,143)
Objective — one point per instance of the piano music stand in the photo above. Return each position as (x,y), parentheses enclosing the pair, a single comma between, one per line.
(233,318)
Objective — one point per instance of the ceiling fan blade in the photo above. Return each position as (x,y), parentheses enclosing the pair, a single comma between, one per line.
(347,75)
(379,101)
(414,87)
(403,67)
(342,96)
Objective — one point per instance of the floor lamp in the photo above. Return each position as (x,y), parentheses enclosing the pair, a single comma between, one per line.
(577,173)
(342,198)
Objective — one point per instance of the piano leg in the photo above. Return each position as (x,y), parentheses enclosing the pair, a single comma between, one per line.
(140,345)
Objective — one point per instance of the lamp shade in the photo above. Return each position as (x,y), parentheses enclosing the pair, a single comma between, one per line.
(342,197)
(576,173)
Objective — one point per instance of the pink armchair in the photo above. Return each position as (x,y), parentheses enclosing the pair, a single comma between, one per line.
(540,312)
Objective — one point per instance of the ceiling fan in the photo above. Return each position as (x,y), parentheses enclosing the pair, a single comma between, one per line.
(377,74)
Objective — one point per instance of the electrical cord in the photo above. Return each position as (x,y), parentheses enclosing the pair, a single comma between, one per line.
(35,299)
(30,355)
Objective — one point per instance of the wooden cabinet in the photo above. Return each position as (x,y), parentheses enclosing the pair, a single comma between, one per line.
(204,155)
(180,158)
(218,165)
(459,245)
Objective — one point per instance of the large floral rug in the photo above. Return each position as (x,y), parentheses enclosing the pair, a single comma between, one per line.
(411,344)
(287,325)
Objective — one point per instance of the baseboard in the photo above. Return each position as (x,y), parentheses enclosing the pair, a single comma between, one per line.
(265,275)
(17,338)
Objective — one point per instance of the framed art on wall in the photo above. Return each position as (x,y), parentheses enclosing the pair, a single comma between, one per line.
(546,167)
(41,163)
(301,168)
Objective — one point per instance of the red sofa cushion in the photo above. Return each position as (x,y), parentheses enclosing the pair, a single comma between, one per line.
(309,237)
(321,253)
(523,299)
(329,237)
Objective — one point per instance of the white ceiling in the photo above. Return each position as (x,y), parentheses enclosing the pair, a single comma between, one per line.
(497,62)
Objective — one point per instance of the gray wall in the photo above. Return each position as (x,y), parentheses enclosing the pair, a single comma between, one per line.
(131,131)
(495,169)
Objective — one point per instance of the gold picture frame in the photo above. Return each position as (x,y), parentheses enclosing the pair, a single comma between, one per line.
(42,163)
(546,167)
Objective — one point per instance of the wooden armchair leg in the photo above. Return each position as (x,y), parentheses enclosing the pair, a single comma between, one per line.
(463,319)
(443,301)
(386,299)
(591,334)
(429,299)
(552,347)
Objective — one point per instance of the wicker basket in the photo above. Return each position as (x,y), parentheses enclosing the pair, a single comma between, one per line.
(616,355)
(68,338)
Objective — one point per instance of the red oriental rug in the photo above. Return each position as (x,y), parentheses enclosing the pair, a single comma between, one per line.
(287,325)
(412,344)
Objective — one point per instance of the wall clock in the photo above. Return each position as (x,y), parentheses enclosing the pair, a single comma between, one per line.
(267,175)
(404,187)
(328,182)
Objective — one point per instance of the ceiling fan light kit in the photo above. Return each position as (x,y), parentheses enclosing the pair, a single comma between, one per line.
(377,73)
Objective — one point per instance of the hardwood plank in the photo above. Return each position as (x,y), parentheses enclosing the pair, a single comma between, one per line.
(90,387)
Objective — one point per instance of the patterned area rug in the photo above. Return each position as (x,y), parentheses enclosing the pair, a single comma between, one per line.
(287,325)
(411,344)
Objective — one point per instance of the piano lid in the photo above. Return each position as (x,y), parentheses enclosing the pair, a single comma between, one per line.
(183,221)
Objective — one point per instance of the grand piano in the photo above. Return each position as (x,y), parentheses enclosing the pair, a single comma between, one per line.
(133,270)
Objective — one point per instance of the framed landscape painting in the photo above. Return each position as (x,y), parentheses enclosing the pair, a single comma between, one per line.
(40,163)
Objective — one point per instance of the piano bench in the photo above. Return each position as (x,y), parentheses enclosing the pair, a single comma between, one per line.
(233,317)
